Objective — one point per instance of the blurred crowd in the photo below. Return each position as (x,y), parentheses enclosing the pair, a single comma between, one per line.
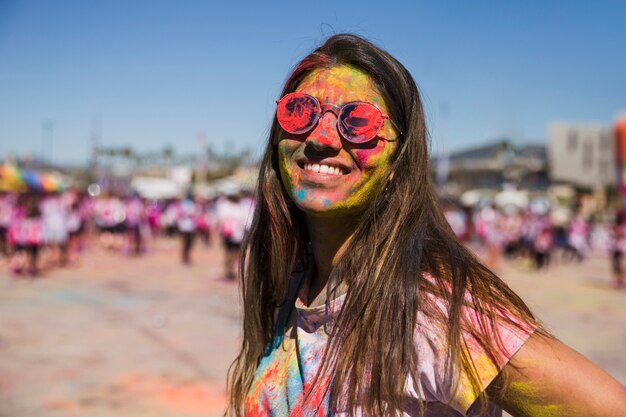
(40,231)
(538,236)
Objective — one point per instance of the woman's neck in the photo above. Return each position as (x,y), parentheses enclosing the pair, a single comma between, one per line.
(329,239)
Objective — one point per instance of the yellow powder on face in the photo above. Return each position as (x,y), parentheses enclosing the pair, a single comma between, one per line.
(288,178)
(338,85)
(370,184)
(344,83)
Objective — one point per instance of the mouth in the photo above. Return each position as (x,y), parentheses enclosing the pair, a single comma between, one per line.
(319,168)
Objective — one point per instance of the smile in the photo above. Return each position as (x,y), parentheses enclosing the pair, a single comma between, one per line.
(323,169)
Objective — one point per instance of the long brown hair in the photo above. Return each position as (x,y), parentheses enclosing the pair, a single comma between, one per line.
(401,238)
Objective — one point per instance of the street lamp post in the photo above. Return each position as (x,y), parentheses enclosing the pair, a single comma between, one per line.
(46,139)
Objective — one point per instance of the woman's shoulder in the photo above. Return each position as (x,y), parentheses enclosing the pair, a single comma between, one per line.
(488,337)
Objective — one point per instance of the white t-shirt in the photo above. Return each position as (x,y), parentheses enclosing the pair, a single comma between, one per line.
(290,364)
(233,218)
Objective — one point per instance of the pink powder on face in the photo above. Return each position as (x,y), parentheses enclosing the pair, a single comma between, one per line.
(365,155)
(328,136)
(367,162)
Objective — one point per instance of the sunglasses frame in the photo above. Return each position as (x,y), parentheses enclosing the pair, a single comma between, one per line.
(337,111)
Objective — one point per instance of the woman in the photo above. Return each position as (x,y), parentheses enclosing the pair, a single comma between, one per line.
(358,299)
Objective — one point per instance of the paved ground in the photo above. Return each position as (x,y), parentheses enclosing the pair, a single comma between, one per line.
(117,336)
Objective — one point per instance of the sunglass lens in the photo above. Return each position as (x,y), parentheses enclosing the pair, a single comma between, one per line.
(360,122)
(297,113)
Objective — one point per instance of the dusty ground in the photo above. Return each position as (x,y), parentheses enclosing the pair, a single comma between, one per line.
(117,336)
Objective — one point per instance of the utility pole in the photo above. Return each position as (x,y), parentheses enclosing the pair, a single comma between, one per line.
(47,129)
(96,131)
(201,161)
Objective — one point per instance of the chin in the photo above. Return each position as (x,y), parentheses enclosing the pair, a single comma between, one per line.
(329,211)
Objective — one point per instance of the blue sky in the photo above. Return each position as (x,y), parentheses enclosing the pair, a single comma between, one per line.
(155,73)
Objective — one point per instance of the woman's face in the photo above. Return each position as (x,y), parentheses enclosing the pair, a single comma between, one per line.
(324,173)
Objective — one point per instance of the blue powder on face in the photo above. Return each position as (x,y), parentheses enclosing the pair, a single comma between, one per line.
(326,203)
(301,194)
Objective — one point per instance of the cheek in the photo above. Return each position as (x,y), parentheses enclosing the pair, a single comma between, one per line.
(285,152)
(370,157)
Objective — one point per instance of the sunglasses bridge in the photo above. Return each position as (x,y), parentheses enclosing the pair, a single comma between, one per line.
(335,109)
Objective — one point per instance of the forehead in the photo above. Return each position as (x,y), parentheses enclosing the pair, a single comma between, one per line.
(341,84)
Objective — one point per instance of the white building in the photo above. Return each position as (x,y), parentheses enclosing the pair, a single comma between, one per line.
(582,154)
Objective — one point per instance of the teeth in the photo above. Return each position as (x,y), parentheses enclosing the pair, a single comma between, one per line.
(323,169)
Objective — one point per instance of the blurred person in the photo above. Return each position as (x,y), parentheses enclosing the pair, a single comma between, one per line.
(86,211)
(26,235)
(7,201)
(600,236)
(109,216)
(560,217)
(54,216)
(204,221)
(34,234)
(134,219)
(186,223)
(511,231)
(577,237)
(232,217)
(526,238)
(17,259)
(457,220)
(617,245)
(358,299)
(489,224)
(168,217)
(75,228)
(542,247)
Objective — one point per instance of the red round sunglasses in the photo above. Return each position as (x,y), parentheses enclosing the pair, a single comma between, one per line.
(357,121)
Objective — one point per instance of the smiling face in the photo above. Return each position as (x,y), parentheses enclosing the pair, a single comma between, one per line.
(324,173)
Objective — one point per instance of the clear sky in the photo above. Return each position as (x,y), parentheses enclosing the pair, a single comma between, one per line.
(155,73)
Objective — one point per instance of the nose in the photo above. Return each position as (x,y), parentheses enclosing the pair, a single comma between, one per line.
(325,136)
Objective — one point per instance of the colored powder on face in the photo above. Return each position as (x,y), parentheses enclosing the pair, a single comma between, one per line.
(369,156)
(375,164)
(339,85)
(290,180)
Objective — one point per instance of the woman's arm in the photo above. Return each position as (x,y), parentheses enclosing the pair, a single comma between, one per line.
(547,378)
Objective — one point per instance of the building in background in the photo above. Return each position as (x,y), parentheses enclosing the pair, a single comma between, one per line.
(582,155)
(492,165)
